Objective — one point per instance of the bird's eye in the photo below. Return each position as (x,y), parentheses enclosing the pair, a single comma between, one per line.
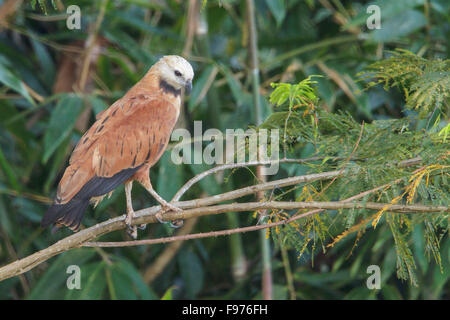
(177,73)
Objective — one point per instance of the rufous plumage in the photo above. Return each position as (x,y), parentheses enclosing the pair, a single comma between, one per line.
(125,141)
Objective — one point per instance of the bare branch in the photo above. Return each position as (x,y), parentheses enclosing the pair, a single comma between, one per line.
(227,166)
(143,216)
(204,206)
(163,259)
(253,206)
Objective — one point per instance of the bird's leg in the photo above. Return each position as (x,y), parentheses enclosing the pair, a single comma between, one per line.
(143,177)
(165,206)
(132,230)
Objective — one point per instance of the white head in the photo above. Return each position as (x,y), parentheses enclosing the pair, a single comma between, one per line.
(176,72)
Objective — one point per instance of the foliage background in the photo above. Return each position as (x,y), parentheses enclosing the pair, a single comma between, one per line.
(55,80)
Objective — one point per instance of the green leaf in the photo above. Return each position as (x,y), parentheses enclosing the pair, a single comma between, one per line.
(29,209)
(170,176)
(61,123)
(168,295)
(419,247)
(139,23)
(12,81)
(130,46)
(7,169)
(98,105)
(52,285)
(209,184)
(388,8)
(278,10)
(401,25)
(390,292)
(388,265)
(148,4)
(359,293)
(191,270)
(198,87)
(119,285)
(56,164)
(93,282)
(5,223)
(234,85)
(45,60)
(127,282)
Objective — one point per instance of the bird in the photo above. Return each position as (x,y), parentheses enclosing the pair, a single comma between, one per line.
(124,142)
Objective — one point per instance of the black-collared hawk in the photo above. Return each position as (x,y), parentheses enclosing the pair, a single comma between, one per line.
(126,140)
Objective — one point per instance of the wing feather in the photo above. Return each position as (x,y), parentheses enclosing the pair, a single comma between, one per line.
(132,132)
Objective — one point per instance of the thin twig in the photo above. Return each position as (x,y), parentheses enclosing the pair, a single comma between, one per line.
(346,161)
(91,44)
(227,166)
(155,269)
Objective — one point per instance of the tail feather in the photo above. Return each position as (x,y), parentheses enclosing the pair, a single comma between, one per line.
(69,214)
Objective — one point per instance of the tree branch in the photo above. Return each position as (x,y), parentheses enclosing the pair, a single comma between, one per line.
(143,216)
(253,206)
(227,166)
(199,207)
(157,267)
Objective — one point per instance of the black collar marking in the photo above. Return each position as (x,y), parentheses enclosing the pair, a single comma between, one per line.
(167,88)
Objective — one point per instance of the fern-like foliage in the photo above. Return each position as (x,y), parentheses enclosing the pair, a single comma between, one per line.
(42,5)
(371,156)
(300,94)
(425,83)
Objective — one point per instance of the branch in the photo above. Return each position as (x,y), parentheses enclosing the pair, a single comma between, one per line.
(197,207)
(183,237)
(158,266)
(227,166)
(253,206)
(144,216)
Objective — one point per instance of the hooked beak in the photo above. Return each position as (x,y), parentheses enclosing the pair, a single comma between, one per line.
(188,87)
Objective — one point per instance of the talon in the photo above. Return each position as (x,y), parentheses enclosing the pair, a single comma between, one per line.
(142,227)
(169,207)
(176,224)
(132,232)
(158,216)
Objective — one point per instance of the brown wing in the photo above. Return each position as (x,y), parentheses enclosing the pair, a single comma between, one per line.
(129,134)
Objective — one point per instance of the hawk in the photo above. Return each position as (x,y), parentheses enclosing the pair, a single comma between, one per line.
(125,141)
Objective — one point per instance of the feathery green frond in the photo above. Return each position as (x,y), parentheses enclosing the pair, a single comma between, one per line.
(425,83)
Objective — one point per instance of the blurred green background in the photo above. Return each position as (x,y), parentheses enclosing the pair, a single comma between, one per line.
(54,80)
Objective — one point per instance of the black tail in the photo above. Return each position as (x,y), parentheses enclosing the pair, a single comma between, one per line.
(69,214)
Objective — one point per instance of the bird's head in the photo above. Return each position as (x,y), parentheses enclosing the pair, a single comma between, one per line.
(175,73)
